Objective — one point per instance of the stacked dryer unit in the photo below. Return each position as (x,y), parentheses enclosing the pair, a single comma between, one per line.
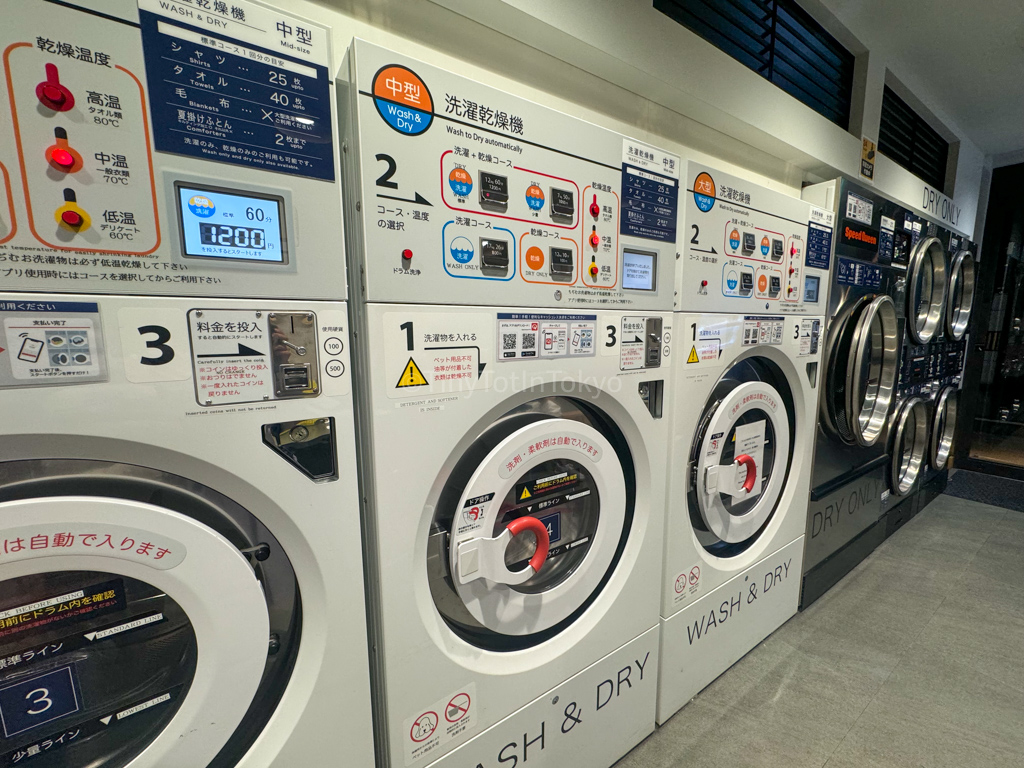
(931,371)
(751,291)
(871,250)
(180,558)
(513,314)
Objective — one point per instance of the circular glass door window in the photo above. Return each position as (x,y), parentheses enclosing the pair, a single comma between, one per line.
(92,666)
(740,456)
(531,523)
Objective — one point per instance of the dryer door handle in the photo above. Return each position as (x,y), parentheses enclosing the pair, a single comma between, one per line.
(484,558)
(743,460)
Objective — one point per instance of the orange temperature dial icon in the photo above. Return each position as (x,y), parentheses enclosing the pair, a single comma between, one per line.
(595,240)
(61,155)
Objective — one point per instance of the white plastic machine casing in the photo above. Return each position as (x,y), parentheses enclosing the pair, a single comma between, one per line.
(451,346)
(718,604)
(138,405)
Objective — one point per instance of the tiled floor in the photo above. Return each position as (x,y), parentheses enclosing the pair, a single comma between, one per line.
(915,659)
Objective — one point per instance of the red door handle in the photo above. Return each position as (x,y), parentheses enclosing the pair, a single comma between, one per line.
(748,462)
(521,524)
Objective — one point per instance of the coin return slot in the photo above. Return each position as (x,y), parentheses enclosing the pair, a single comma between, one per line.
(295,377)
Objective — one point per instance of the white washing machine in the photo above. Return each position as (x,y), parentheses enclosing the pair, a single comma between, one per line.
(514,318)
(180,558)
(753,286)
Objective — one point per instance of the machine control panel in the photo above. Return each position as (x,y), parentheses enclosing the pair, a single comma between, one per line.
(744,246)
(152,153)
(471,195)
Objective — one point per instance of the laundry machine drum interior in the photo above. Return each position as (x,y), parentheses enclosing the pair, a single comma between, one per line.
(740,457)
(863,363)
(108,659)
(531,523)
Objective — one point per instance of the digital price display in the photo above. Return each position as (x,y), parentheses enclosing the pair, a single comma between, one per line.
(811,286)
(225,224)
(639,270)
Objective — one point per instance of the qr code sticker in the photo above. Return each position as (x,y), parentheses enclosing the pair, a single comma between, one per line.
(529,341)
(508,341)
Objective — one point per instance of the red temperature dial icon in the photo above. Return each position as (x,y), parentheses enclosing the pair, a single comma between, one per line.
(595,209)
(51,93)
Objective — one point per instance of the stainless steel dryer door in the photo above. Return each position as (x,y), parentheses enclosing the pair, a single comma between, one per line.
(909,446)
(944,427)
(960,297)
(926,290)
(862,369)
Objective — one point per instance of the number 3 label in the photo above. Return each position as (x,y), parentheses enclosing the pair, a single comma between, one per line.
(154,344)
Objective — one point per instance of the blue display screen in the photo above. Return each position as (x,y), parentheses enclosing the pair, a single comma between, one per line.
(38,700)
(222,224)
(639,270)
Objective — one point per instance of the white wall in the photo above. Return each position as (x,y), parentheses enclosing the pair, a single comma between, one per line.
(622,64)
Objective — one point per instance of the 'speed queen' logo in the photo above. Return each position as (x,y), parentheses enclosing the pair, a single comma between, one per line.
(403,99)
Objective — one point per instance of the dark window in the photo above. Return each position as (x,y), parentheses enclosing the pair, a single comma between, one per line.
(905,138)
(780,41)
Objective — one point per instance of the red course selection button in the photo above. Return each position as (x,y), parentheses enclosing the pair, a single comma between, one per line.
(407,254)
(594,239)
(71,218)
(594,270)
(63,158)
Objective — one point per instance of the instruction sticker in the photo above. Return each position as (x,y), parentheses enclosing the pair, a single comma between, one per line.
(650,192)
(430,354)
(819,239)
(632,347)
(810,336)
(231,356)
(85,603)
(763,330)
(449,718)
(51,342)
(525,336)
(239,83)
(859,208)
(117,541)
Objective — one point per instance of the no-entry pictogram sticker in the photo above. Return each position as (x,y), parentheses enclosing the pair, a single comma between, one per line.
(694,575)
(423,727)
(457,708)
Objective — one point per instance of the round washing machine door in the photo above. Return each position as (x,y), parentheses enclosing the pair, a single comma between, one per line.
(863,363)
(134,631)
(960,296)
(909,446)
(531,523)
(740,456)
(944,427)
(926,289)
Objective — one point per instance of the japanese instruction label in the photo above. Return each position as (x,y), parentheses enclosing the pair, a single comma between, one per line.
(231,356)
(118,541)
(650,192)
(525,336)
(50,342)
(239,84)
(762,330)
(428,354)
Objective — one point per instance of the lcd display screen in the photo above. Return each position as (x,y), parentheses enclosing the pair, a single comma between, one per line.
(639,270)
(231,225)
(811,285)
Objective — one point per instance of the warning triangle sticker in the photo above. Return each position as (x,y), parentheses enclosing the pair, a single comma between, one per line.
(411,376)
(693,356)
(526,494)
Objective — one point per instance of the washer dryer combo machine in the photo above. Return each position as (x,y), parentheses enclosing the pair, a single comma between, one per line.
(516,323)
(179,530)
(752,287)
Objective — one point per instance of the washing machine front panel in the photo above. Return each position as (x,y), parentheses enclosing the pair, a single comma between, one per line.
(741,462)
(560,446)
(260,484)
(750,249)
(139,161)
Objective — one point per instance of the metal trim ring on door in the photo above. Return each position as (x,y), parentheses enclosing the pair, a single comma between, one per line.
(944,427)
(927,254)
(960,296)
(479,574)
(904,475)
(867,410)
